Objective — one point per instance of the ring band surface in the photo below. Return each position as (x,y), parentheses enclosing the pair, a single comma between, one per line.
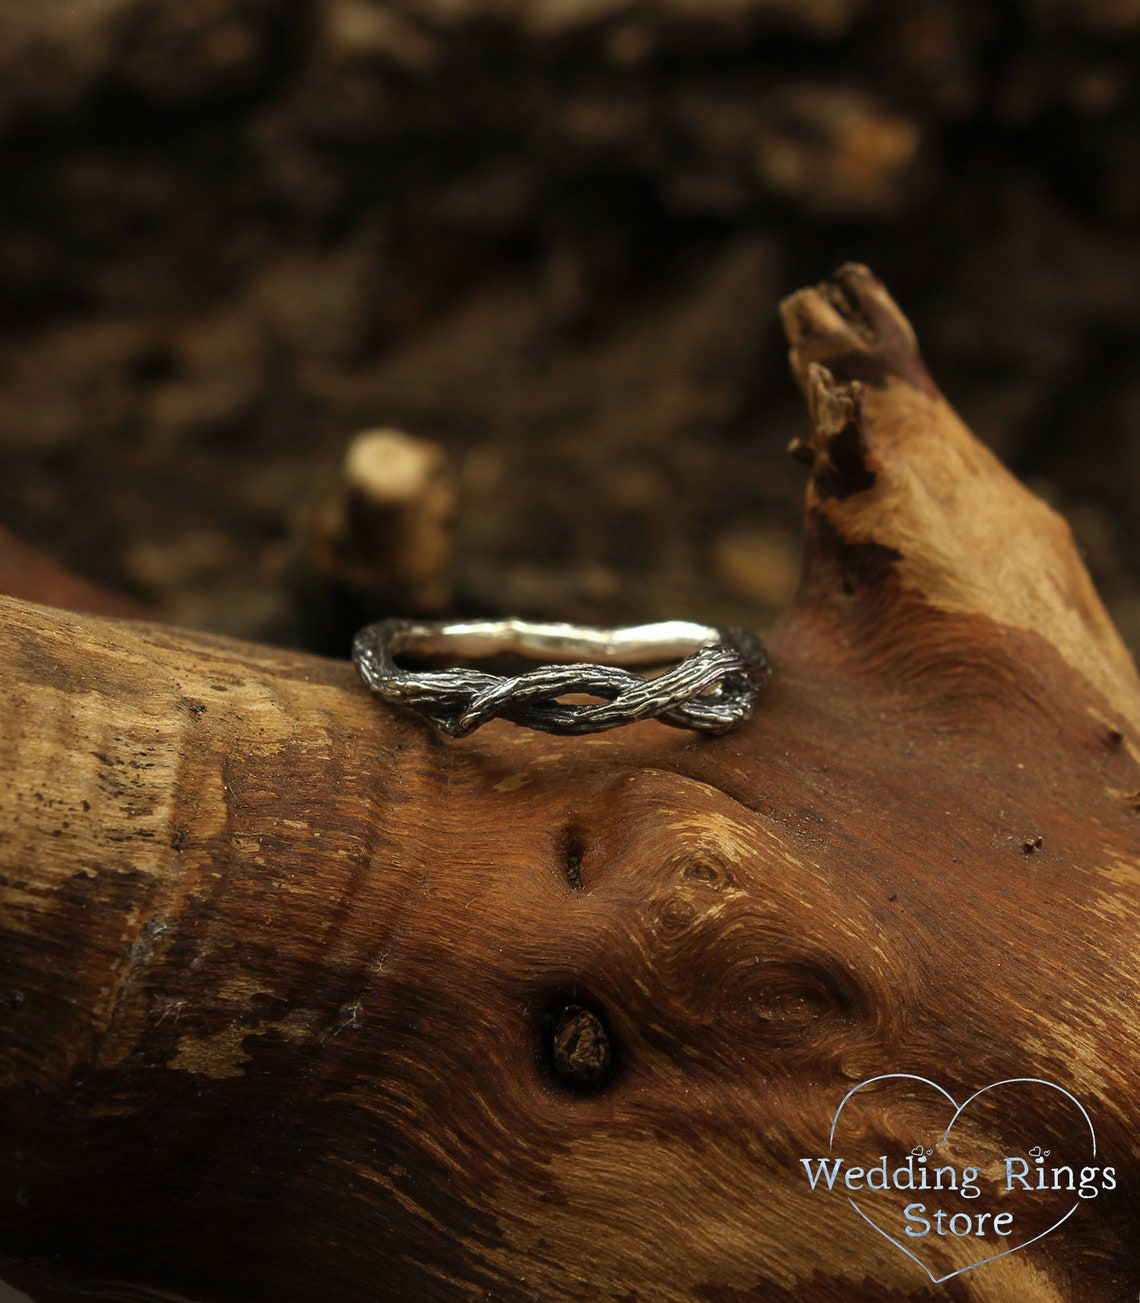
(712,687)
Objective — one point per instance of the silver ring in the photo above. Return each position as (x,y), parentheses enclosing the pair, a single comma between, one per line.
(711,688)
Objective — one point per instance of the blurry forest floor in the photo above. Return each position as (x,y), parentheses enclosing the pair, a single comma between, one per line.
(550,235)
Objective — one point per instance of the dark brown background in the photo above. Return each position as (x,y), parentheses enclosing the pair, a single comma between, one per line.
(552,235)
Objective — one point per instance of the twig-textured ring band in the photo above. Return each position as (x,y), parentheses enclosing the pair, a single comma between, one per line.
(711,688)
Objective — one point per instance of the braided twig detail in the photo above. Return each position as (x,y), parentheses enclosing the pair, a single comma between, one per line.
(711,690)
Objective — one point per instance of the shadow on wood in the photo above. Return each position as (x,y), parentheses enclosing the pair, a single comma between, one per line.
(296,996)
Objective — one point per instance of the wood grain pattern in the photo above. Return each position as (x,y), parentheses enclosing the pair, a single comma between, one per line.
(284,976)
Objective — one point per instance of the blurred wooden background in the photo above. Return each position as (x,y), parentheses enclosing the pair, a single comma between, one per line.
(549,235)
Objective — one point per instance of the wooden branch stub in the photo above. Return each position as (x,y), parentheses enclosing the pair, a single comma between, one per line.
(299,1000)
(387,534)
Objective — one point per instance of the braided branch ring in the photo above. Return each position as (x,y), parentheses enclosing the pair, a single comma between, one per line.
(711,688)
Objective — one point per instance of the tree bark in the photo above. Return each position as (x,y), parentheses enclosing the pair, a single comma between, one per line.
(301,1001)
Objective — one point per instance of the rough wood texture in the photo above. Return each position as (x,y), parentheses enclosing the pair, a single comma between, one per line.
(288,981)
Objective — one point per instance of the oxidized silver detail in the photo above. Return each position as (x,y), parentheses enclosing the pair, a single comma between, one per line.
(712,688)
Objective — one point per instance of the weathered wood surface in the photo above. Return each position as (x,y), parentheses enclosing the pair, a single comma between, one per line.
(281,971)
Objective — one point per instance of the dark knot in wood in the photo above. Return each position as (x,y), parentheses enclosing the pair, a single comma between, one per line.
(581,1048)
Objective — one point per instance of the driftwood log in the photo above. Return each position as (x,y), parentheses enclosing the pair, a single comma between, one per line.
(299,1001)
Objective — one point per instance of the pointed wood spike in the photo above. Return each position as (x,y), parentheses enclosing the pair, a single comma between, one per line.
(897,470)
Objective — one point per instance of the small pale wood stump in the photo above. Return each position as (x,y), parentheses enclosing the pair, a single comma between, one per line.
(300,1001)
